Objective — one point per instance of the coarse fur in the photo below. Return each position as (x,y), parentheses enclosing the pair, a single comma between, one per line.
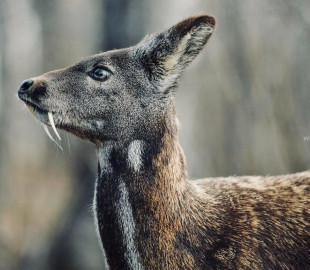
(148,213)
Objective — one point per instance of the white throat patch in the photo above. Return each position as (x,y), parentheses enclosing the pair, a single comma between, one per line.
(123,207)
(127,226)
(135,151)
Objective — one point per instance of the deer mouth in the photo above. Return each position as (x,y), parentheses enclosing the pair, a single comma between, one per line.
(45,117)
(35,109)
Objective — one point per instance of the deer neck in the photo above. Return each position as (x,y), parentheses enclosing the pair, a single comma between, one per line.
(138,194)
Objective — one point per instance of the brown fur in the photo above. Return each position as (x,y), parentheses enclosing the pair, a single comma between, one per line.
(247,222)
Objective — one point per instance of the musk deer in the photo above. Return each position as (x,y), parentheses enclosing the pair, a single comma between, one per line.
(149,214)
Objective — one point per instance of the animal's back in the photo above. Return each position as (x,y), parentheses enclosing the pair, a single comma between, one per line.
(266,221)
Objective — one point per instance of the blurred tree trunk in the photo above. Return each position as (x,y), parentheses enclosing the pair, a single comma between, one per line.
(123,23)
(14,213)
(3,250)
(64,252)
(2,103)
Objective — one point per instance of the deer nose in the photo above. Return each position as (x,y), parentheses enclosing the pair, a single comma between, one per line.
(25,86)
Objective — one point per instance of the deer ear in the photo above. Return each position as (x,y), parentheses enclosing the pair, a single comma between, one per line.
(166,54)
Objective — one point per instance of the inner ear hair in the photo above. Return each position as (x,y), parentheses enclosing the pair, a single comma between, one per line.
(191,34)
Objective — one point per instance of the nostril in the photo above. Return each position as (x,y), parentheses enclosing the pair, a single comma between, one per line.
(26,86)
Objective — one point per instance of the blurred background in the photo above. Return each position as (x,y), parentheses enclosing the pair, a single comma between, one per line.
(243,106)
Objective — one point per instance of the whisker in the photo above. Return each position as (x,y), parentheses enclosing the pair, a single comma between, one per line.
(50,136)
(69,146)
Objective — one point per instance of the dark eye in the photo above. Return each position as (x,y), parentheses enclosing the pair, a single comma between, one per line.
(100,74)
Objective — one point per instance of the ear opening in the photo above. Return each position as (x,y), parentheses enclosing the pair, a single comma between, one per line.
(166,54)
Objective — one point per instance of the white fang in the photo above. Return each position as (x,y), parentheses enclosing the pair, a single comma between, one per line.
(135,151)
(50,136)
(51,119)
(127,226)
(47,132)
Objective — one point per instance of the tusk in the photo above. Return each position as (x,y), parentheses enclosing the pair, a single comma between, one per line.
(50,117)
(47,132)
(50,136)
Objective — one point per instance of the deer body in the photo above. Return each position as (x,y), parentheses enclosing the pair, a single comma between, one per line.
(148,214)
(153,217)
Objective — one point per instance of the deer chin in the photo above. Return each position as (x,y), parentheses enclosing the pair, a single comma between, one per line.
(38,112)
(85,129)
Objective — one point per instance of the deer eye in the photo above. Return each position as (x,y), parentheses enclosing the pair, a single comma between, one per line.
(100,74)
